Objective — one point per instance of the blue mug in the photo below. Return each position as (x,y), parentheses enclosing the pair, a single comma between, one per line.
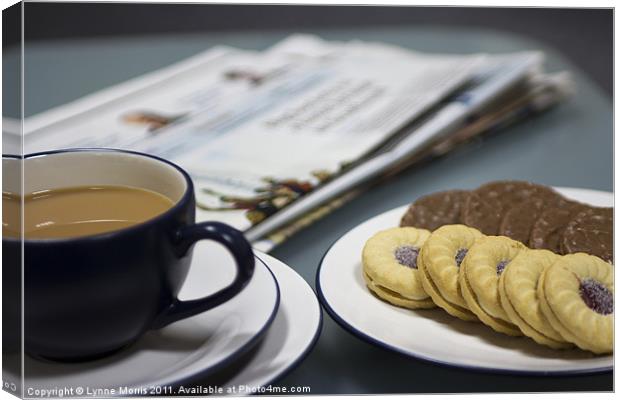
(89,296)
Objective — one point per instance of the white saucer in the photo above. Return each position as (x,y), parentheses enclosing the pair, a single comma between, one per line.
(291,337)
(433,335)
(185,351)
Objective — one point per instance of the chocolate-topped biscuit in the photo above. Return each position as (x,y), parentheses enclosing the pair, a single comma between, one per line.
(482,214)
(518,222)
(548,228)
(486,206)
(591,231)
(435,210)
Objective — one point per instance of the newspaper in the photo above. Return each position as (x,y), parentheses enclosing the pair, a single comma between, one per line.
(542,93)
(260,132)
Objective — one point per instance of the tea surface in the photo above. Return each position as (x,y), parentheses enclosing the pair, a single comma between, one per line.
(81,211)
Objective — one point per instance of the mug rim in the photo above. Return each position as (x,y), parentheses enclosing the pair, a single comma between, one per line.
(189,189)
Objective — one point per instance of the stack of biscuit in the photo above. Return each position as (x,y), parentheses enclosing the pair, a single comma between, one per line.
(557,300)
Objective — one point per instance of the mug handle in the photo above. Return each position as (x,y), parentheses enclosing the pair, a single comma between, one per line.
(242,253)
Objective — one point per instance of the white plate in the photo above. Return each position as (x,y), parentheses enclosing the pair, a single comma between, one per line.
(433,335)
(187,350)
(291,337)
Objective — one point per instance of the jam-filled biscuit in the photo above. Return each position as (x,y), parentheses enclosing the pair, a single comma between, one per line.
(435,210)
(395,298)
(577,297)
(390,263)
(517,289)
(440,259)
(591,231)
(479,280)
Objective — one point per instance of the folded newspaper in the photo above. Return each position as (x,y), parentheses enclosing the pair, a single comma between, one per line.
(276,139)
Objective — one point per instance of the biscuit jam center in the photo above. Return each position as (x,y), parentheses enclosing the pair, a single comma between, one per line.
(407,256)
(596,296)
(460,255)
(500,266)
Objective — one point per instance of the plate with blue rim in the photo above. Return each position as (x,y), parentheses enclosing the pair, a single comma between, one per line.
(433,335)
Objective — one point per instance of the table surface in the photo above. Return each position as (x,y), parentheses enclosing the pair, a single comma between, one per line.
(571,145)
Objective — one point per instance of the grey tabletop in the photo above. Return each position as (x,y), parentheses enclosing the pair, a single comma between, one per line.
(571,145)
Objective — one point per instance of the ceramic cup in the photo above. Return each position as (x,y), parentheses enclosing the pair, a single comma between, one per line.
(88,296)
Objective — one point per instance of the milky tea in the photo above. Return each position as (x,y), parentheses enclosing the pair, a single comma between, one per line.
(80,211)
